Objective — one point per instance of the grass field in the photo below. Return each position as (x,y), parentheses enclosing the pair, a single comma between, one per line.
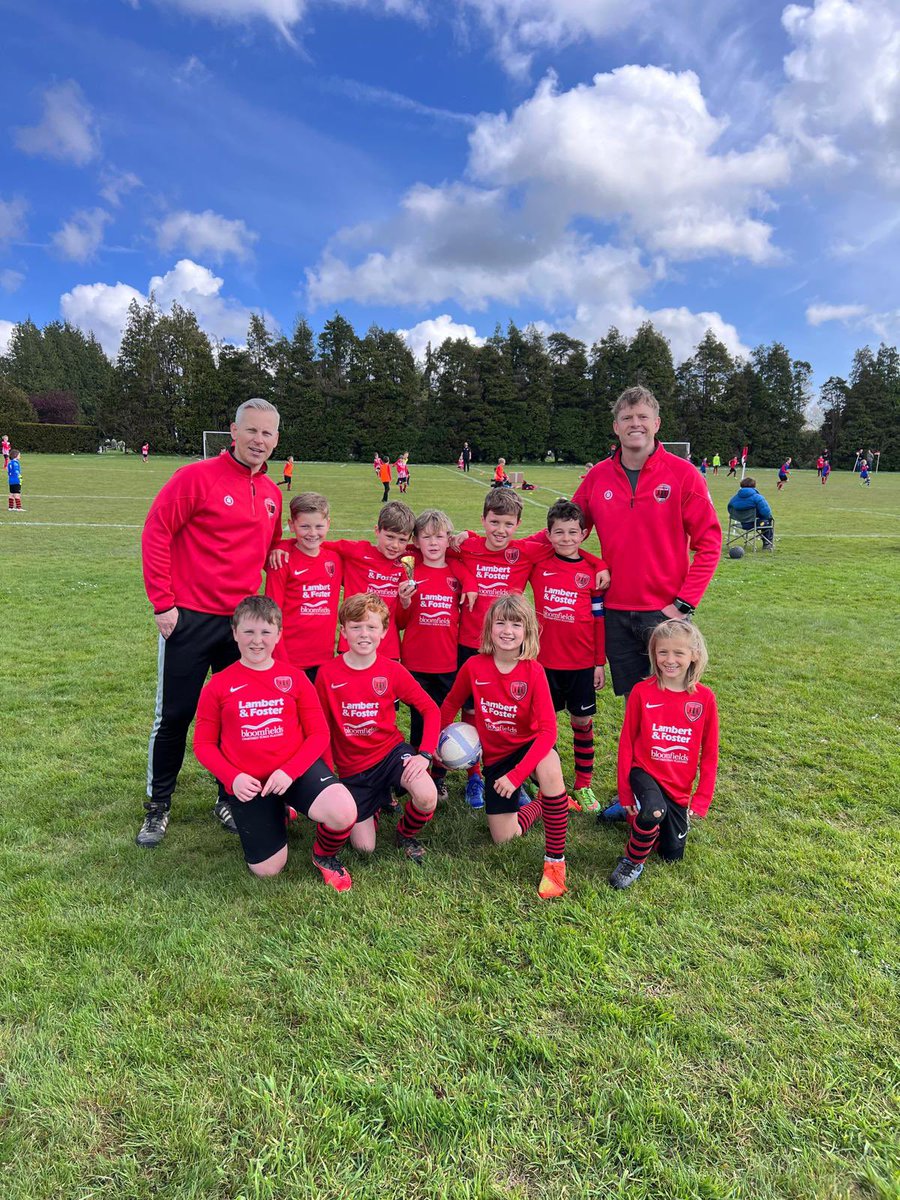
(171,1027)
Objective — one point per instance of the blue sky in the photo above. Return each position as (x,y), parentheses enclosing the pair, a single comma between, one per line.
(442,168)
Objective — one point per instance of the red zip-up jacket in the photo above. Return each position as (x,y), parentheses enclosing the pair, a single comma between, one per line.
(645,537)
(207,535)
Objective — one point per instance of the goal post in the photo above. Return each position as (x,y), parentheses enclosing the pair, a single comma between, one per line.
(215,441)
(682,449)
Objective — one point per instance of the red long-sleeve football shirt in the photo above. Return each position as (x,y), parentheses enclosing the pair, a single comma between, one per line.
(308,592)
(569,611)
(510,710)
(256,722)
(366,569)
(671,734)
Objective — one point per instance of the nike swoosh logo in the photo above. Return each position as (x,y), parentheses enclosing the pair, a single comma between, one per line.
(653,706)
(337,685)
(325,778)
(547,574)
(239,686)
(482,682)
(682,836)
(584,706)
(303,572)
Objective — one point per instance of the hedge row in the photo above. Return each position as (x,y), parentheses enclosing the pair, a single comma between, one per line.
(53,439)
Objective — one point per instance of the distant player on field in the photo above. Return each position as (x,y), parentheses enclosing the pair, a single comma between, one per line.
(14,475)
(784,473)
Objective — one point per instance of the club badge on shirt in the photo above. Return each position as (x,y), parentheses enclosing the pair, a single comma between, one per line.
(693,710)
(283,682)
(662,492)
(379,685)
(518,689)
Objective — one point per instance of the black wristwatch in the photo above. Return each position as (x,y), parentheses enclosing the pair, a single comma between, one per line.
(686,610)
(424,754)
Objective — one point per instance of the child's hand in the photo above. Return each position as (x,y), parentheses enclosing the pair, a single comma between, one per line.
(632,811)
(277,559)
(277,783)
(457,539)
(405,591)
(603,578)
(471,597)
(694,815)
(599,679)
(415,768)
(246,787)
(503,787)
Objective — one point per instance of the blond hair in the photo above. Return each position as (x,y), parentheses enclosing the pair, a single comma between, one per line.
(357,607)
(432,519)
(512,607)
(632,396)
(687,632)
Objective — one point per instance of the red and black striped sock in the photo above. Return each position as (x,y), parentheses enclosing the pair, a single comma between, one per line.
(556,820)
(530,813)
(413,820)
(583,747)
(641,843)
(329,842)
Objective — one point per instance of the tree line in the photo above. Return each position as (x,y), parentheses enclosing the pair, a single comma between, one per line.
(522,394)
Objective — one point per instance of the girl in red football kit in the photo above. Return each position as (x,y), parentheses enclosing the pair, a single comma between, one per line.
(671,728)
(516,723)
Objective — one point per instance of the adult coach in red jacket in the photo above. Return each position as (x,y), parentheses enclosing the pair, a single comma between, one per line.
(650,509)
(204,546)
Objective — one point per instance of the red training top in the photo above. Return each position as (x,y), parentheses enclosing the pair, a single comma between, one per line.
(510,710)
(366,569)
(308,591)
(668,734)
(359,706)
(207,535)
(645,535)
(256,722)
(431,623)
(570,613)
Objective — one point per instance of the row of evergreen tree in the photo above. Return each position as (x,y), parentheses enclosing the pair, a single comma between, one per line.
(522,394)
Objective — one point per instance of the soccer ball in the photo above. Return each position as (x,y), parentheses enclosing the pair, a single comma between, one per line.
(736,552)
(459,747)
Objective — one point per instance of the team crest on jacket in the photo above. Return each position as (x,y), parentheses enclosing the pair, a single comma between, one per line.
(662,492)
(518,689)
(270,507)
(693,710)
(379,685)
(283,682)
(607,495)
(512,554)
(329,570)
(582,580)
(229,500)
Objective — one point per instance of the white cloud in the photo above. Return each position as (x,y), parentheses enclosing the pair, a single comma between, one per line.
(68,129)
(12,219)
(436,331)
(841,104)
(103,308)
(11,281)
(205,235)
(637,146)
(116,184)
(818,314)
(81,236)
(191,72)
(6,329)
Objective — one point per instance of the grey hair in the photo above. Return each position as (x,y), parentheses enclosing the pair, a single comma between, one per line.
(256,402)
(632,396)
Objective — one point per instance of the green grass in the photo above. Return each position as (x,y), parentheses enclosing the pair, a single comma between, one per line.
(170,1026)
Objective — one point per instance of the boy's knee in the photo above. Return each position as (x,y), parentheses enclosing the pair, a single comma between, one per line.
(651,815)
(265,870)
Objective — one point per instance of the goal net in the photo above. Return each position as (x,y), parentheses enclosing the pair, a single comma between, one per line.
(682,449)
(215,441)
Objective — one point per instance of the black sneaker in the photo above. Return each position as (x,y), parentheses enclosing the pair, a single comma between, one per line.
(411,847)
(625,873)
(222,811)
(443,793)
(153,830)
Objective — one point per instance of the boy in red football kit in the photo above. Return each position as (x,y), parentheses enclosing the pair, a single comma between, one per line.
(307,586)
(671,727)
(570,614)
(498,564)
(357,691)
(429,618)
(517,726)
(261,731)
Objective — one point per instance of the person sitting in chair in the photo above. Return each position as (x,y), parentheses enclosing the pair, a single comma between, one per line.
(751,509)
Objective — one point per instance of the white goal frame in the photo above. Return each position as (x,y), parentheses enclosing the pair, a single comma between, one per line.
(682,449)
(215,440)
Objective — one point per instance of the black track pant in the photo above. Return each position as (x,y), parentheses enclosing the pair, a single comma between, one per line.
(199,643)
